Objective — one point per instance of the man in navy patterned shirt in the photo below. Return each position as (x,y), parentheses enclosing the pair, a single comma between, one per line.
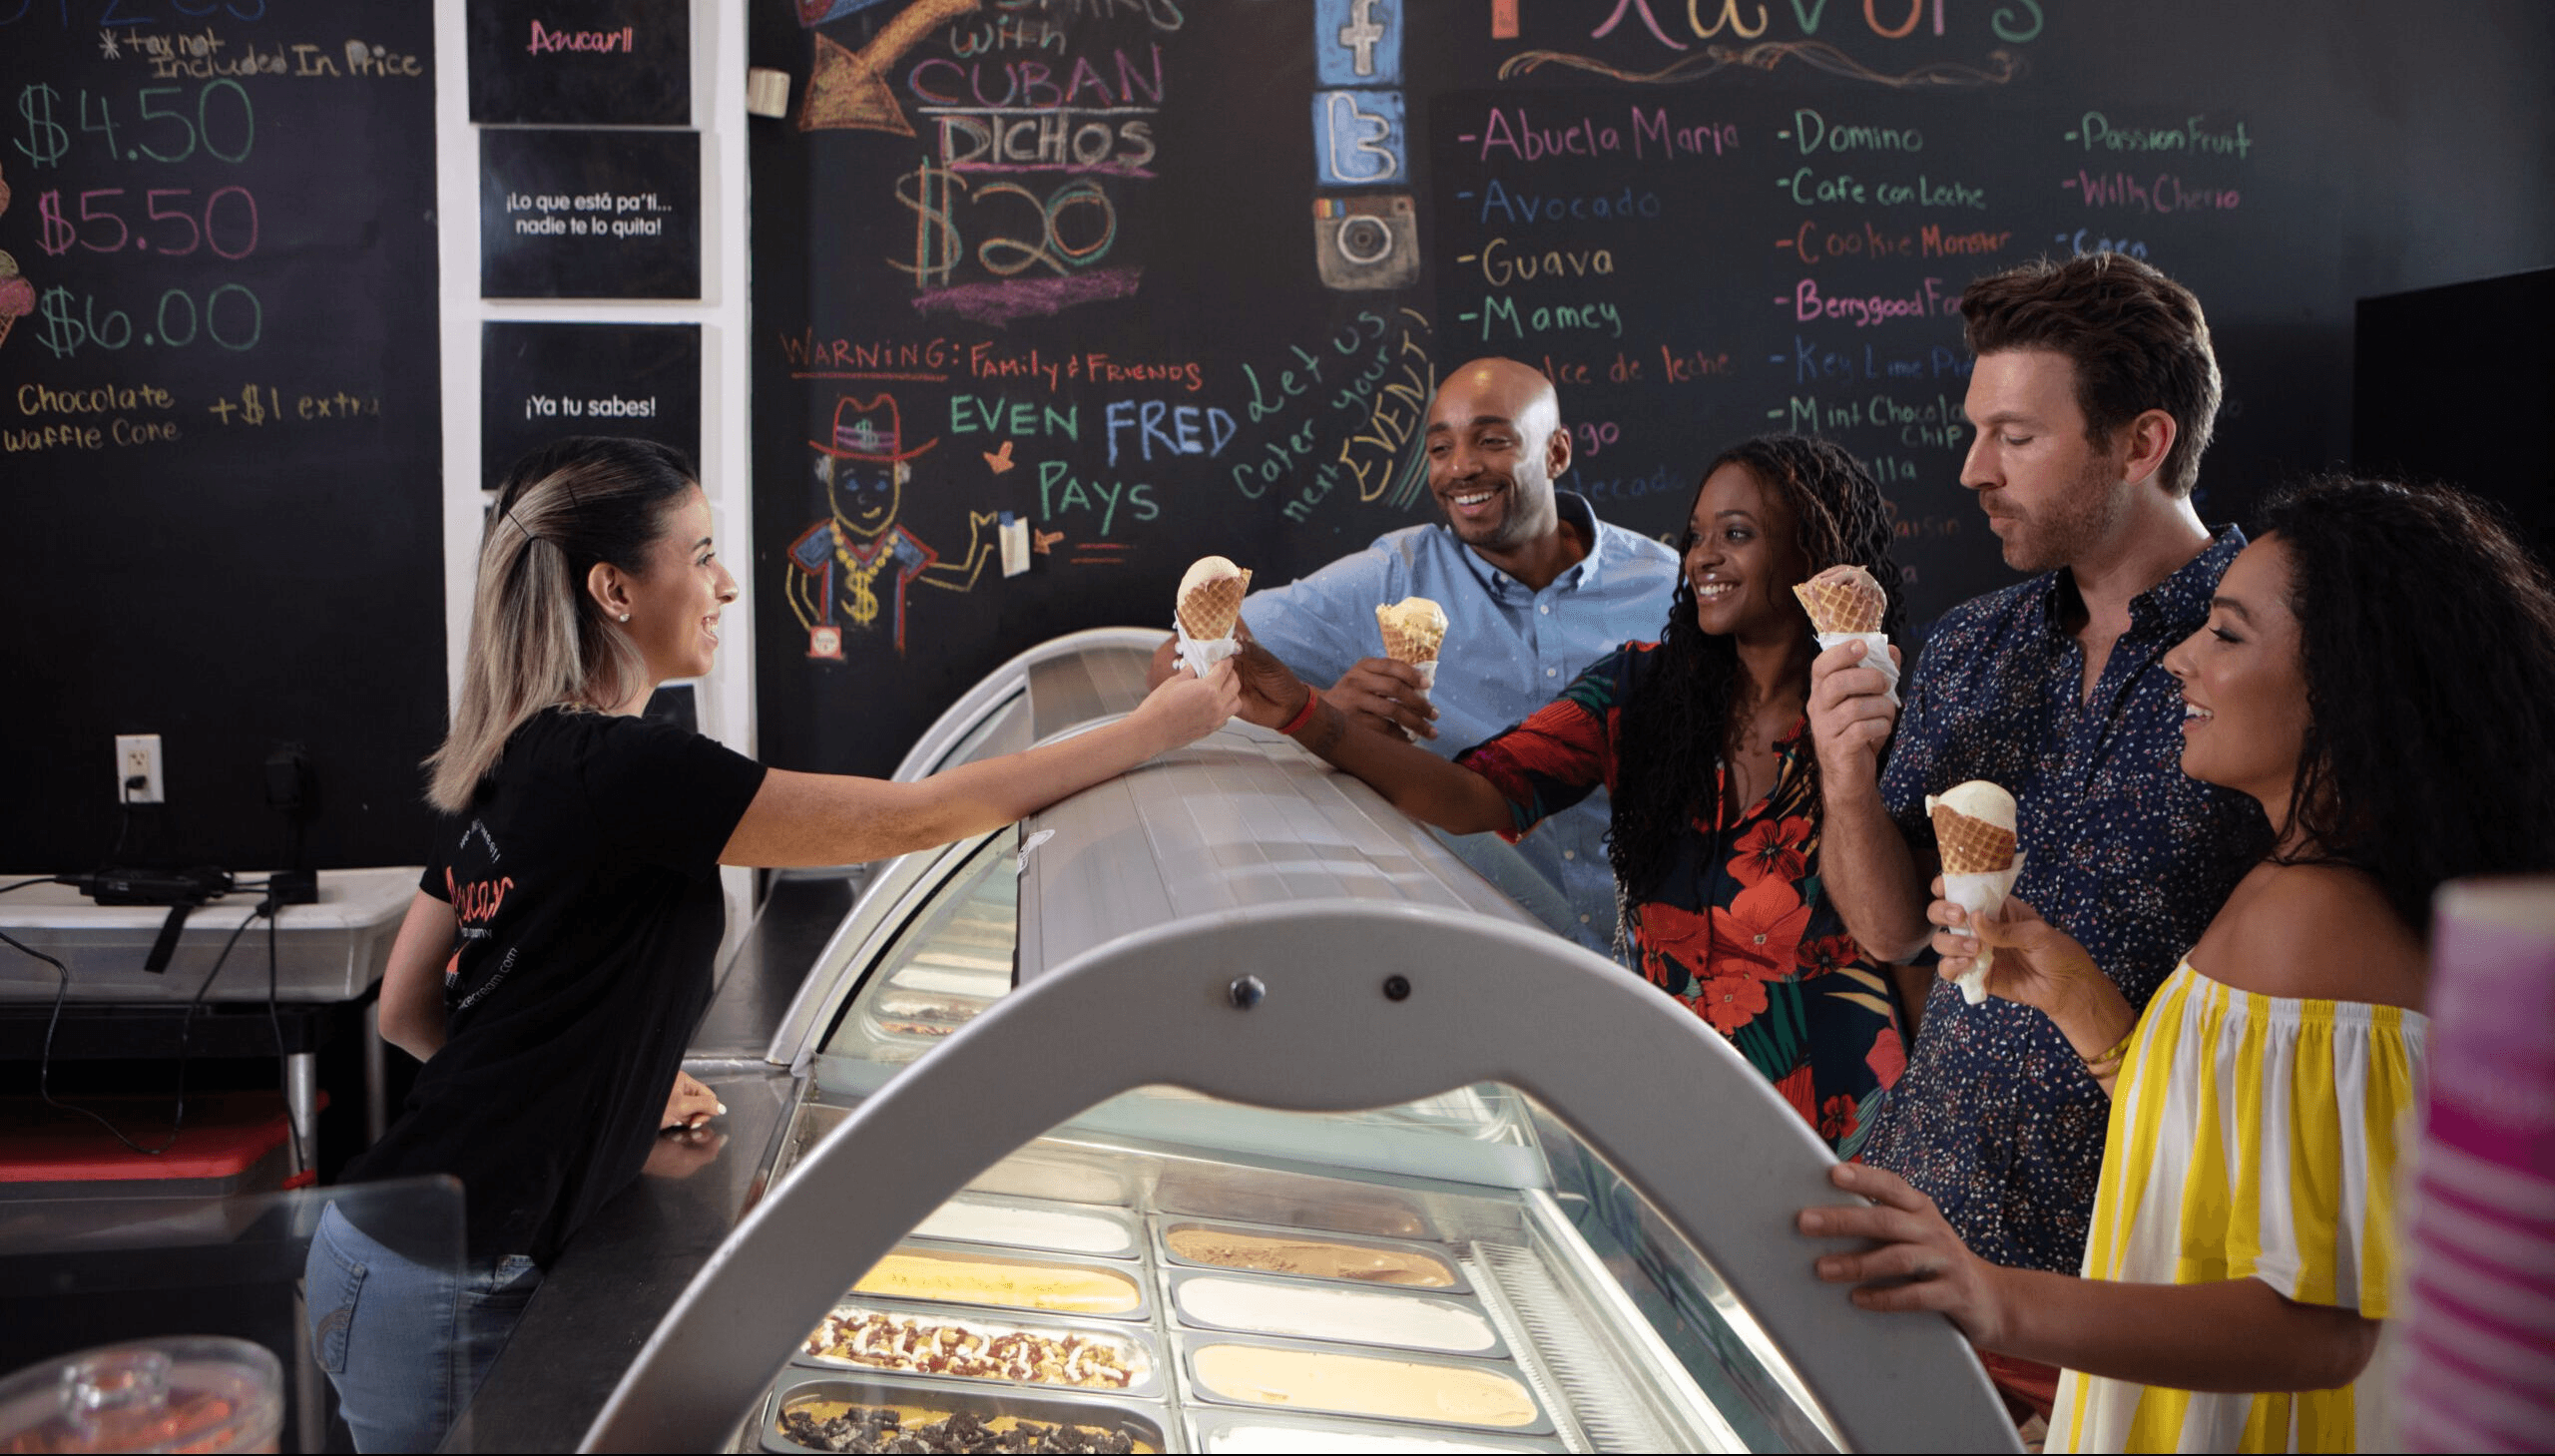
(2093,394)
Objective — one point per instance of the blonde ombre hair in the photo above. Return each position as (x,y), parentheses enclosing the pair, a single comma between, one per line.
(538,638)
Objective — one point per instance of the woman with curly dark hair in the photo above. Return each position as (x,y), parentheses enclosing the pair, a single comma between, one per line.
(2379,672)
(1702,742)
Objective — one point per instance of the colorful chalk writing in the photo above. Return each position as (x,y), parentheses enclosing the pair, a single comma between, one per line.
(219,381)
(1072,235)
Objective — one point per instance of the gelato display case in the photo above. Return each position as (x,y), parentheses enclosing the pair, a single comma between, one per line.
(1221,1107)
(1060,684)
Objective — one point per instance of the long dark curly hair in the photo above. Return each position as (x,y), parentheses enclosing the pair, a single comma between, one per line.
(1684,718)
(2427,640)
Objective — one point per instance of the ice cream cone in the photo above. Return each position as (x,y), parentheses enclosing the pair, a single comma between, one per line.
(1971,846)
(1210,607)
(1415,629)
(1974,830)
(1843,598)
(1206,609)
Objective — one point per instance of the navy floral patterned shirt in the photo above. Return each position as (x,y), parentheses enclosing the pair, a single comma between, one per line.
(1994,1117)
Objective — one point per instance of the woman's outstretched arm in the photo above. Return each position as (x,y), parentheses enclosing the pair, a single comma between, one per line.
(829,818)
(1414,781)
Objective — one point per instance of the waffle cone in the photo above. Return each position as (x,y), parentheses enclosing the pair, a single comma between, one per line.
(1410,647)
(1846,601)
(1209,608)
(1971,846)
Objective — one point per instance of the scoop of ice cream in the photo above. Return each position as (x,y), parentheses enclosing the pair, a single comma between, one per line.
(1413,614)
(1977,799)
(1203,570)
(1843,598)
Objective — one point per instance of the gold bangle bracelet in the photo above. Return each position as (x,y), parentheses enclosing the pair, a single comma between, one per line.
(2118,1049)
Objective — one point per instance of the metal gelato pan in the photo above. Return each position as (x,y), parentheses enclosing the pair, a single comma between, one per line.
(1311,1310)
(1221,1431)
(1365,1383)
(1005,1279)
(925,1340)
(1306,1254)
(917,1405)
(1075,1228)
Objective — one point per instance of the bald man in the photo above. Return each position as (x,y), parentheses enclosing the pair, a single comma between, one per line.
(1535,587)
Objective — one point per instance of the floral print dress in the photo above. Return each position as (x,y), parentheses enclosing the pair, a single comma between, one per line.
(1737,928)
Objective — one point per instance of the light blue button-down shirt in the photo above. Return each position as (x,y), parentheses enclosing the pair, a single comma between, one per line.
(1508,651)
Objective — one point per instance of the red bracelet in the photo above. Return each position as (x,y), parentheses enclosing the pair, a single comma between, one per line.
(1312,699)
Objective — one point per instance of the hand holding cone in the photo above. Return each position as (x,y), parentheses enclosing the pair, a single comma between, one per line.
(1414,627)
(1974,828)
(1845,605)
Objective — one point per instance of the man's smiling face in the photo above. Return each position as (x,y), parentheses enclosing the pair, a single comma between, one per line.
(1494,445)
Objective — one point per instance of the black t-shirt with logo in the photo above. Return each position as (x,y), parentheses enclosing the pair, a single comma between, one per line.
(585,877)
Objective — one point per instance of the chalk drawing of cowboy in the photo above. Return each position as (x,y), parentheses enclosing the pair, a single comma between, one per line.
(836,566)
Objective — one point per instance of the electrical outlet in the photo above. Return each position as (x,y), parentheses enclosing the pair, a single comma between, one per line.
(138,778)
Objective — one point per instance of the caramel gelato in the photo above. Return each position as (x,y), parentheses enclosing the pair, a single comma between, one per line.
(1319,1258)
(910,1274)
(1307,1379)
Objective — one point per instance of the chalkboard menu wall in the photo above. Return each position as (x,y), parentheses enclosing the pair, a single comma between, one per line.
(1168,277)
(219,437)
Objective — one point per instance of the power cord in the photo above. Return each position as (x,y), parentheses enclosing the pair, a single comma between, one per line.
(284,1060)
(186,1024)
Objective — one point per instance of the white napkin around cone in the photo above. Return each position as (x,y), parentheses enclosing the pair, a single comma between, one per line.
(1875,654)
(1198,655)
(1982,895)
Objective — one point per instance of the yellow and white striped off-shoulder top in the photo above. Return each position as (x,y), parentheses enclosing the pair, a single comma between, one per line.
(2252,1137)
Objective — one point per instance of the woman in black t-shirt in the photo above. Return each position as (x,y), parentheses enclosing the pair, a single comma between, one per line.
(558,953)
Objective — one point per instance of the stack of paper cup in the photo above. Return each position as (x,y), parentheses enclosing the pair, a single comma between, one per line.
(2475,1354)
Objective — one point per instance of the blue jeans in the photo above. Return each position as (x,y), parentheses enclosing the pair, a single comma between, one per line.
(405,1345)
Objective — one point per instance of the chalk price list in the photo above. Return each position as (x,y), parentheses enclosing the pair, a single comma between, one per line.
(164,125)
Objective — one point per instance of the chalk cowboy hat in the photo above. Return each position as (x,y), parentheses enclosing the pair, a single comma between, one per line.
(868,429)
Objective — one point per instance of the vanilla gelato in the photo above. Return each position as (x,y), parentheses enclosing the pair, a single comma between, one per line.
(1203,570)
(1057,1228)
(1360,1316)
(1407,1390)
(1977,799)
(911,1274)
(1319,1258)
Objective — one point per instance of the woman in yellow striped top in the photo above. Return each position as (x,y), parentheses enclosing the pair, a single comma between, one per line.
(2379,670)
